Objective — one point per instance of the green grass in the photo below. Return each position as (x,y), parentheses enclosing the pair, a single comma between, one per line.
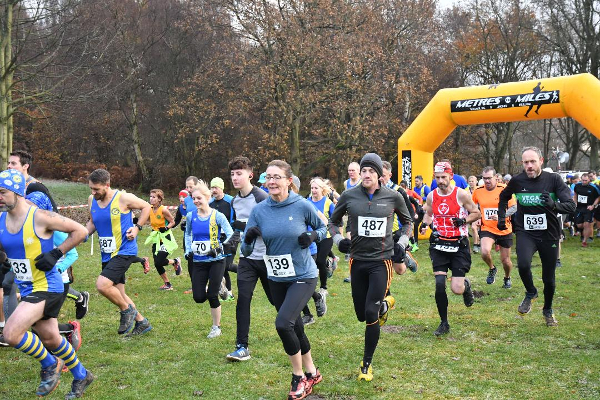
(491,352)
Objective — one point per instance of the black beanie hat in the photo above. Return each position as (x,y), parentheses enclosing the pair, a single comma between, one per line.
(374,161)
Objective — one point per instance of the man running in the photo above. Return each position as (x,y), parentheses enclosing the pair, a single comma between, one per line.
(370,207)
(586,196)
(111,217)
(26,235)
(251,268)
(486,198)
(536,225)
(449,211)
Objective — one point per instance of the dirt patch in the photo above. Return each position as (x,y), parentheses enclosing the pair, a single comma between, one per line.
(479,294)
(401,328)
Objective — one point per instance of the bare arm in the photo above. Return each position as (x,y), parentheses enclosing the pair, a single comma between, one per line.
(91,228)
(132,202)
(169,217)
(428,216)
(465,198)
(49,221)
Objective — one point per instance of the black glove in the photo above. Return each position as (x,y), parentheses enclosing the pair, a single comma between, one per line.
(229,247)
(547,200)
(182,225)
(5,267)
(344,245)
(47,261)
(396,236)
(423,227)
(305,239)
(215,252)
(135,220)
(251,234)
(502,224)
(458,222)
(189,256)
(399,253)
(162,229)
(239,225)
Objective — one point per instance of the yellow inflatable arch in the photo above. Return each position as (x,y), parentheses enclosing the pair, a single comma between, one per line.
(576,96)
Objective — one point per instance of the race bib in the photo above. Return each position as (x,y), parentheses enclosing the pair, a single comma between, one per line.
(108,244)
(488,213)
(201,247)
(280,266)
(22,269)
(371,226)
(447,248)
(582,199)
(535,222)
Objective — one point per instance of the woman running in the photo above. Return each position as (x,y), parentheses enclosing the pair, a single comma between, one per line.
(202,237)
(282,222)
(162,239)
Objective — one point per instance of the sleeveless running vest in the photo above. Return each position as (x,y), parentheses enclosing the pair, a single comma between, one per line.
(446,207)
(157,219)
(21,249)
(205,230)
(112,224)
(325,205)
(347,184)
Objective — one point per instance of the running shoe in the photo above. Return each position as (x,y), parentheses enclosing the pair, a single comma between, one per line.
(386,305)
(146,264)
(299,389)
(365,373)
(598,233)
(590,240)
(166,286)
(549,317)
(347,257)
(312,380)
(79,385)
(584,244)
(347,280)
(507,283)
(229,298)
(558,263)
(3,342)
(223,292)
(468,297)
(81,306)
(476,248)
(443,329)
(321,304)
(525,306)
(308,319)
(330,267)
(50,378)
(414,247)
(241,353)
(127,320)
(75,336)
(491,278)
(189,291)
(214,332)
(140,328)
(411,262)
(177,266)
(334,265)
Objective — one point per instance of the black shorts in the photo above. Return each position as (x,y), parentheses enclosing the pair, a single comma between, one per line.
(115,268)
(458,262)
(505,241)
(584,215)
(53,304)
(597,213)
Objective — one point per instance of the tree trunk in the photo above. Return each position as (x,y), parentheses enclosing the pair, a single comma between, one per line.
(136,141)
(295,145)
(594,157)
(6,74)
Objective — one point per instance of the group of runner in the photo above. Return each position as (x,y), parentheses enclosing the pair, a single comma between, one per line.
(285,243)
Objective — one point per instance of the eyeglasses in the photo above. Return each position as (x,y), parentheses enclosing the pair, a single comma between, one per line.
(487,179)
(273,178)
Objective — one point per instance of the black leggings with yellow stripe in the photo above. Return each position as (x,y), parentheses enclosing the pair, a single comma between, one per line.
(370,281)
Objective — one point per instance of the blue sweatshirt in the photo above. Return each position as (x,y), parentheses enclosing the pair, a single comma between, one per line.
(280,224)
(68,259)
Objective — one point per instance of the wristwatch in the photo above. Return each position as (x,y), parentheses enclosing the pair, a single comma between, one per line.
(139,227)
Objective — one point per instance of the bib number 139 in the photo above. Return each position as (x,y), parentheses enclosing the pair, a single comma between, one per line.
(281,265)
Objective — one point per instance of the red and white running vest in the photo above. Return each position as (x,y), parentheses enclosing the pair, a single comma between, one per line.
(446,207)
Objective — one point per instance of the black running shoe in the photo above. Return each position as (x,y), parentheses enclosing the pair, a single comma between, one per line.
(549,317)
(468,297)
(127,320)
(525,306)
(79,385)
(442,329)
(81,306)
(491,278)
(50,378)
(140,328)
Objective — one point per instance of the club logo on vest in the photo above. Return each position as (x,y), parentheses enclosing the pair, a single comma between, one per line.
(444,208)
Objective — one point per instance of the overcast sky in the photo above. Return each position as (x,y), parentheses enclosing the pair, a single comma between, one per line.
(445,3)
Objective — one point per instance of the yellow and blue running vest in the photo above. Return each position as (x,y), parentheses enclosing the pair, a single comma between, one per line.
(22,248)
(325,205)
(112,224)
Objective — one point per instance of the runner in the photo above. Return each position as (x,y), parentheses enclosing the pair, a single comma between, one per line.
(21,161)
(26,236)
(536,225)
(446,213)
(222,202)
(162,238)
(205,248)
(486,198)
(586,196)
(281,221)
(251,268)
(475,226)
(110,216)
(370,208)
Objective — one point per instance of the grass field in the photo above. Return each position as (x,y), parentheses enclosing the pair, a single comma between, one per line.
(490,353)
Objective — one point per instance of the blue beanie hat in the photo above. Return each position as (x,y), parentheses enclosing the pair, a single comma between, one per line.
(40,200)
(13,180)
